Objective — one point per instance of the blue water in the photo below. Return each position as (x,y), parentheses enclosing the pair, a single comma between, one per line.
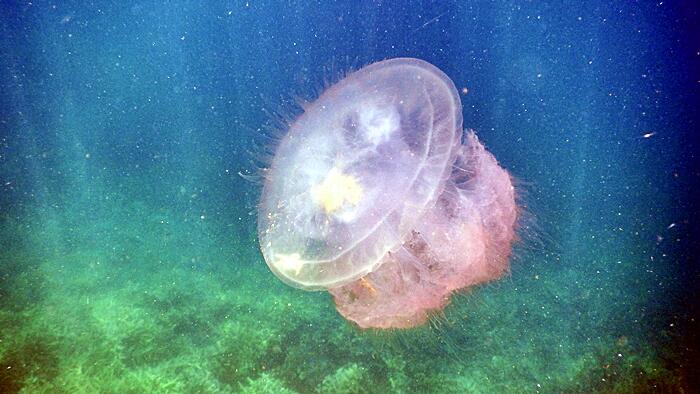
(128,253)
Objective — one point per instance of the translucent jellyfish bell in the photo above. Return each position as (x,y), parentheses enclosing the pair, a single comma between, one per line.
(356,171)
(377,196)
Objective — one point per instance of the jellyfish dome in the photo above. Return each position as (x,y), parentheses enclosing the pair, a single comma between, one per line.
(377,195)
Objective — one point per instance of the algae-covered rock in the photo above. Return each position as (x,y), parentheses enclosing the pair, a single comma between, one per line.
(265,384)
(346,380)
(398,381)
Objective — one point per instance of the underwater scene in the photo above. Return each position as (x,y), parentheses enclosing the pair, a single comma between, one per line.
(349,197)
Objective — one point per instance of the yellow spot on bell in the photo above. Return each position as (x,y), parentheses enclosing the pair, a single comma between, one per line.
(289,262)
(337,189)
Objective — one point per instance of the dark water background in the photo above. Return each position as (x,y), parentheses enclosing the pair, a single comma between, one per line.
(128,253)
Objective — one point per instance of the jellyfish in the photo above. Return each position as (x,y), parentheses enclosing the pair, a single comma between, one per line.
(377,195)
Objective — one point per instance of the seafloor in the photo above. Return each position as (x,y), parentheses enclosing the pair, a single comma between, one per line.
(127,298)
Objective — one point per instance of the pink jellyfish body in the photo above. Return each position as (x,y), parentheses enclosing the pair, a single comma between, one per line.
(376,195)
